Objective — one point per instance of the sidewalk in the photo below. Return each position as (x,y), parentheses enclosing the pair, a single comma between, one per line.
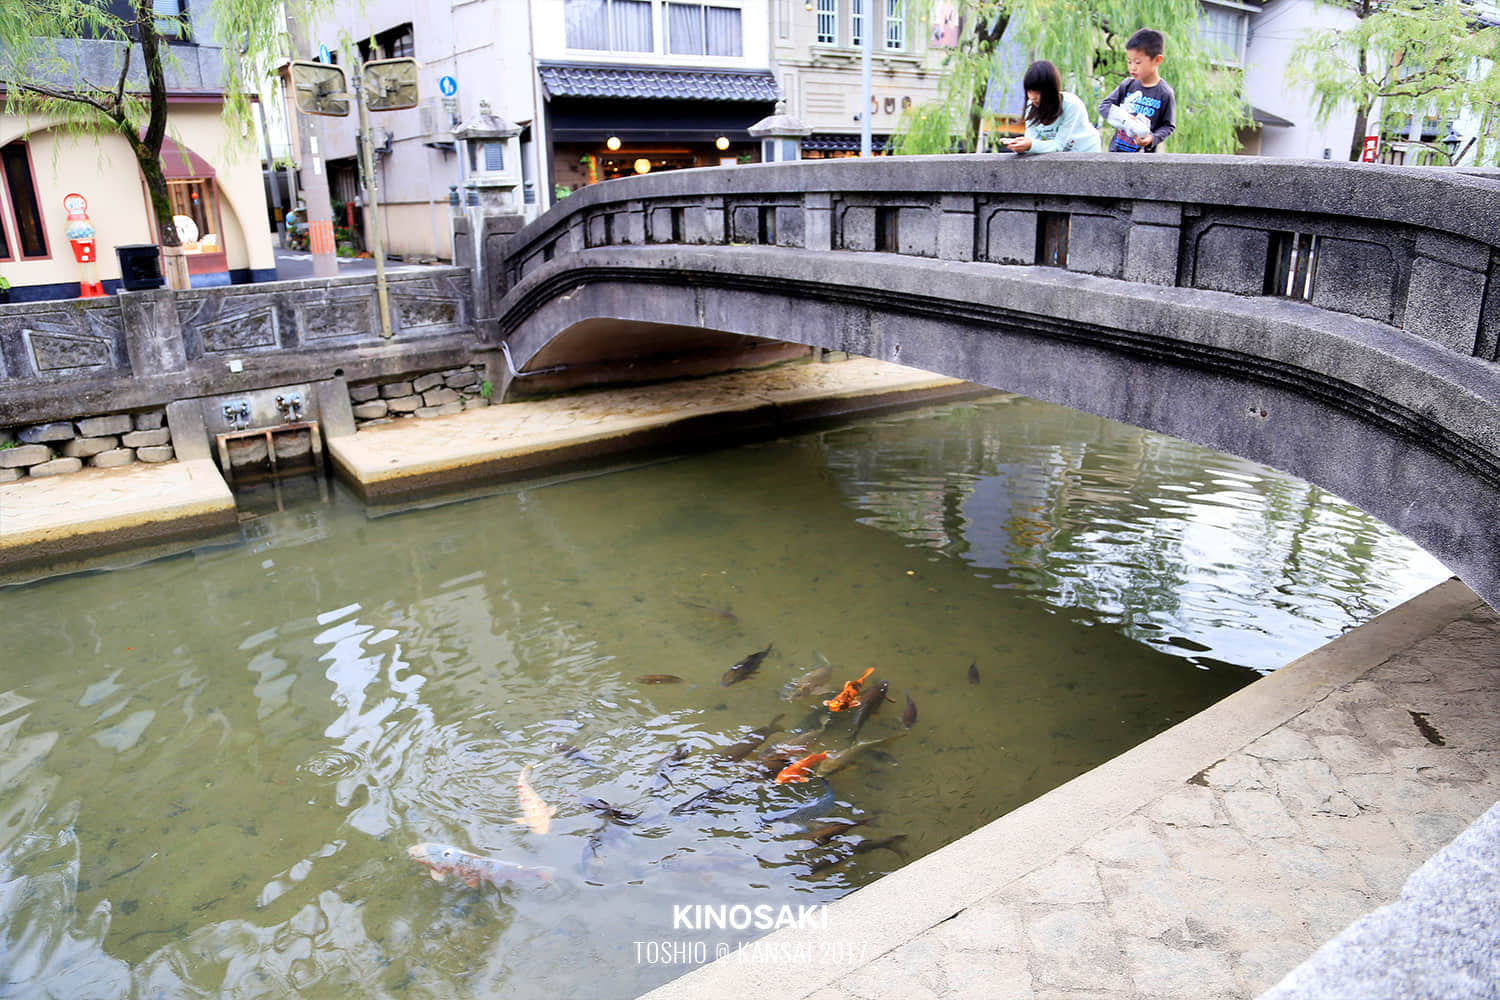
(1213,859)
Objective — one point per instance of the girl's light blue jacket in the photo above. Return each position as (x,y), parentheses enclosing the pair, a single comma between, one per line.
(1073,132)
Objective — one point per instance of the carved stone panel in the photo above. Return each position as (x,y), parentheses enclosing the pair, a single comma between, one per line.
(351,316)
(243,332)
(60,352)
(1096,245)
(1009,236)
(414,310)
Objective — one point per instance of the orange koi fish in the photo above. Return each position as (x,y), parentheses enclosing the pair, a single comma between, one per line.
(799,771)
(536,814)
(849,697)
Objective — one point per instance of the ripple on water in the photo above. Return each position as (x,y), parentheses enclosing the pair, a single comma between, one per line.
(328,766)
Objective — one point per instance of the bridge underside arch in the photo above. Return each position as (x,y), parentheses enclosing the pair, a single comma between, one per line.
(1399,426)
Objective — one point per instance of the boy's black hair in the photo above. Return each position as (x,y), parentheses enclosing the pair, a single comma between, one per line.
(1147,40)
(1042,77)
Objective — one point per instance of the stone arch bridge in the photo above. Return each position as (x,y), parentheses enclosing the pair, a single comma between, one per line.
(1336,321)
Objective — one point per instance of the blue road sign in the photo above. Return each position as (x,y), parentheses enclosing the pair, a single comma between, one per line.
(448,86)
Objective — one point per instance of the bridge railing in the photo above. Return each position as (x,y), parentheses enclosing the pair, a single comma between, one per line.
(1418,249)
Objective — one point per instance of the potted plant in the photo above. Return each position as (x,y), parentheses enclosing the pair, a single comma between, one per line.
(4,289)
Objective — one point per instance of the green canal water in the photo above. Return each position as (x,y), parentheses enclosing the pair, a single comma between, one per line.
(212,766)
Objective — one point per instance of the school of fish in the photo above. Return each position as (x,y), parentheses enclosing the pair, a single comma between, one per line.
(793,760)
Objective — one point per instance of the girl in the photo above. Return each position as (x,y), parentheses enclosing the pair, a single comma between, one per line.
(1056,121)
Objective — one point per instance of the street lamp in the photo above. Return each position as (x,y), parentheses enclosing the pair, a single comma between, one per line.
(1451,142)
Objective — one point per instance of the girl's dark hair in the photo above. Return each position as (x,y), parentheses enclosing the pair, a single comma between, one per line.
(1042,77)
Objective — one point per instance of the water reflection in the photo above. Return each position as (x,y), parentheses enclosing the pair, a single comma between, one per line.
(211,766)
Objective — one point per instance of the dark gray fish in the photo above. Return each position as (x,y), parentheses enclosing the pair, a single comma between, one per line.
(888,844)
(664,767)
(744,668)
(611,814)
(909,717)
(974,672)
(704,799)
(751,742)
(658,679)
(869,705)
(808,810)
(824,834)
(836,762)
(708,609)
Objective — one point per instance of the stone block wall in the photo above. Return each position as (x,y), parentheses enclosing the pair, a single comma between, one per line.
(430,394)
(102,442)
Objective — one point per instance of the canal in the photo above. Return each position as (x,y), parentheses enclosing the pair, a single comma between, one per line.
(212,767)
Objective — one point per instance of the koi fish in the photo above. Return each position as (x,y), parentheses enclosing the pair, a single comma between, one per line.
(664,768)
(535,813)
(610,813)
(799,771)
(744,668)
(441,860)
(751,742)
(974,672)
(849,696)
(909,717)
(702,799)
(870,706)
(658,679)
(834,762)
(708,609)
(813,682)
(824,834)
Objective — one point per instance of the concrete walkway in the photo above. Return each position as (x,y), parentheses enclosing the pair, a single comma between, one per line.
(1211,860)
(406,458)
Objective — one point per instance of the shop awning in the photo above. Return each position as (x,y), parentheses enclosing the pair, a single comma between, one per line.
(649,83)
(1264,118)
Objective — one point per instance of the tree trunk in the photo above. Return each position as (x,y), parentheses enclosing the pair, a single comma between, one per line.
(147,148)
(1361,113)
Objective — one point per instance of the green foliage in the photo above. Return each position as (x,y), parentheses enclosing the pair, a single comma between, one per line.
(486,389)
(1086,40)
(1421,57)
(45,73)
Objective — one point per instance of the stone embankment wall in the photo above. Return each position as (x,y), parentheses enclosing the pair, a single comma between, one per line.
(431,394)
(102,442)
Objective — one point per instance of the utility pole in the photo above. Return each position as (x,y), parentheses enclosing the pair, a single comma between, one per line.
(372,201)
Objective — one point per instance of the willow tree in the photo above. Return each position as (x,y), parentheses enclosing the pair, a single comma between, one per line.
(1409,57)
(100,67)
(1086,41)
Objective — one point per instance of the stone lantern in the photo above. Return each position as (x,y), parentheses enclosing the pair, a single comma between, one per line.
(491,161)
(781,135)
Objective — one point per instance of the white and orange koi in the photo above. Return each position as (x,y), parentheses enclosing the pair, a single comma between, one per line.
(535,813)
(441,860)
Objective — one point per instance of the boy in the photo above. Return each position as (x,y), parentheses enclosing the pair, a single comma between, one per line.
(1144,94)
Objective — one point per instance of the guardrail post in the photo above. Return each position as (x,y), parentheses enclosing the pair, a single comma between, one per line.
(153,331)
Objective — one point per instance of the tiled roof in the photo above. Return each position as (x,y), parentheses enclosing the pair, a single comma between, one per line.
(653,83)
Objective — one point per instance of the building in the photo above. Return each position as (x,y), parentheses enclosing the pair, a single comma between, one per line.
(632,86)
(213,178)
(818,48)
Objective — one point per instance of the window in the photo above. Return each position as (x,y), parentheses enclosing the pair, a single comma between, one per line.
(886,20)
(395,43)
(1223,29)
(25,208)
(171,18)
(895,25)
(700,30)
(195,201)
(609,25)
(828,22)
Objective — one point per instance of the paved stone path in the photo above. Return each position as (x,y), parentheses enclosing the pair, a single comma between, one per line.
(1206,863)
